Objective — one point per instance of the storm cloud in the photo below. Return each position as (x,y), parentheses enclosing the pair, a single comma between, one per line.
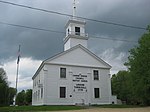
(39,45)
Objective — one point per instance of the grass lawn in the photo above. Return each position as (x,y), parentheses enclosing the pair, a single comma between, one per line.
(58,108)
(38,108)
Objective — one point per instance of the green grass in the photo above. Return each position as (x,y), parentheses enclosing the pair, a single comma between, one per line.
(58,108)
(117,106)
(38,108)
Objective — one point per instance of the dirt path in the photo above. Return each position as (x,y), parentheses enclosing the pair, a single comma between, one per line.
(145,109)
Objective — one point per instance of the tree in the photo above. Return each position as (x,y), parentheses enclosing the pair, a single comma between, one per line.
(24,97)
(12,93)
(121,85)
(3,88)
(20,99)
(139,67)
(6,93)
(28,97)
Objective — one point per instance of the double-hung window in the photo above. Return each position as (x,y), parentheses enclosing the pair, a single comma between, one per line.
(96,93)
(62,92)
(62,72)
(96,74)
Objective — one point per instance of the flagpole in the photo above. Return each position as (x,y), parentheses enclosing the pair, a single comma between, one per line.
(17,73)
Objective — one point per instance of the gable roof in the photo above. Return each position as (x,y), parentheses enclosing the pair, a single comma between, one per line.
(49,60)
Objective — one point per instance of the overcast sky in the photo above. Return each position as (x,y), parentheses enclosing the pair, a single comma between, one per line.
(39,45)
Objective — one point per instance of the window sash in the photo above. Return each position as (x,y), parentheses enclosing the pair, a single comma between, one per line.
(62,72)
(96,74)
(41,92)
(62,92)
(96,93)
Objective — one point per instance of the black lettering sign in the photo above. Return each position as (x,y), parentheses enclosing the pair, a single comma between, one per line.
(79,82)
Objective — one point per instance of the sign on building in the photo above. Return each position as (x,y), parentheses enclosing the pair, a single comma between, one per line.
(80,83)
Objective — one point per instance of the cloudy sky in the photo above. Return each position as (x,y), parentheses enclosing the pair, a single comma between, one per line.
(39,45)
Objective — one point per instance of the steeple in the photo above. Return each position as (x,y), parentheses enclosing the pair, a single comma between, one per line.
(75,31)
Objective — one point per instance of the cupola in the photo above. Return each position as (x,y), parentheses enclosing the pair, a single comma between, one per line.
(75,32)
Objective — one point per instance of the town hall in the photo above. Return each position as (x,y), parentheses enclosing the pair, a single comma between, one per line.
(75,76)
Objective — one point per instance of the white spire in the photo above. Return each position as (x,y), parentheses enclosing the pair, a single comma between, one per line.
(74,9)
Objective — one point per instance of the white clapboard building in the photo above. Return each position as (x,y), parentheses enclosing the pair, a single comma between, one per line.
(75,76)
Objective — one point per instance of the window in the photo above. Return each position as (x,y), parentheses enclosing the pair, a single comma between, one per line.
(38,94)
(35,82)
(33,96)
(77,30)
(41,92)
(62,72)
(68,31)
(96,74)
(96,93)
(62,92)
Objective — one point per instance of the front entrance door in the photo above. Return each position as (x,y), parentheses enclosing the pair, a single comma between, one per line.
(80,98)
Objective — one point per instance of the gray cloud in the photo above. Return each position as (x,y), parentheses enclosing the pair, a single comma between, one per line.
(40,45)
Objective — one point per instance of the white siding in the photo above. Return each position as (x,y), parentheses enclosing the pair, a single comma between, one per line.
(36,93)
(52,83)
(73,42)
(78,57)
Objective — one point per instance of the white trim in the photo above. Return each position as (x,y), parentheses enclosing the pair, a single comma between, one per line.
(94,67)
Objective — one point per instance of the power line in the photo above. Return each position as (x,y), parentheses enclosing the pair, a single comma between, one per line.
(60,32)
(34,28)
(114,39)
(64,14)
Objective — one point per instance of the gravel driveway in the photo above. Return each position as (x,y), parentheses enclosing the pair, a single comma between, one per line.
(145,109)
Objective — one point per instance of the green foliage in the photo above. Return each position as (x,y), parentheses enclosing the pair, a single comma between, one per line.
(3,88)
(20,99)
(28,96)
(24,97)
(6,93)
(12,93)
(139,67)
(135,84)
(121,85)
